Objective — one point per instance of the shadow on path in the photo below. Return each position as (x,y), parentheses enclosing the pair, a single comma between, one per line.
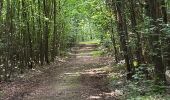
(79,77)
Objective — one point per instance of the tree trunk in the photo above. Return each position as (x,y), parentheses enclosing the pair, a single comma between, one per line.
(155,12)
(46,30)
(122,30)
(134,30)
(114,42)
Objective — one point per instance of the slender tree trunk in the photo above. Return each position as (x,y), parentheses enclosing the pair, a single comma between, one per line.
(167,38)
(41,49)
(1,6)
(134,30)
(8,40)
(46,30)
(155,13)
(164,11)
(114,42)
(54,32)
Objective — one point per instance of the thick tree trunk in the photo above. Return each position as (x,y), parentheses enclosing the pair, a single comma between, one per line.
(122,30)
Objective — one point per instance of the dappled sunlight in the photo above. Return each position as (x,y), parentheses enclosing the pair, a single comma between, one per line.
(113,95)
(91,42)
(72,74)
(94,98)
(84,49)
(97,71)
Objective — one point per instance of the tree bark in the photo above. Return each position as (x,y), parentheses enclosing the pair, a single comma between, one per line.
(155,12)
(122,30)
(134,30)
(46,31)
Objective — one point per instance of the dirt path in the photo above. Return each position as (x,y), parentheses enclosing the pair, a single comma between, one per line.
(75,79)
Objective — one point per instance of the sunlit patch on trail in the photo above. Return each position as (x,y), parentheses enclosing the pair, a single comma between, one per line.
(73,74)
(95,98)
(96,78)
(113,95)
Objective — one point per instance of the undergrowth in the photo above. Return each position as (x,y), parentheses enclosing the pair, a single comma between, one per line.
(136,89)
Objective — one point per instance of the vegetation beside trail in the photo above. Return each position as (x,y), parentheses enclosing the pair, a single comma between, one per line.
(90,42)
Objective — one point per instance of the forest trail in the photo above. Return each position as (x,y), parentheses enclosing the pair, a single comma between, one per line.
(79,77)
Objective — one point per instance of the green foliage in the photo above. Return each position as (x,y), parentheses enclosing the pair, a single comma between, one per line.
(33,32)
(86,19)
(90,42)
(137,89)
(97,53)
(145,90)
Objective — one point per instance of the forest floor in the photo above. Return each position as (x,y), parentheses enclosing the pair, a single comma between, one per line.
(84,75)
(81,76)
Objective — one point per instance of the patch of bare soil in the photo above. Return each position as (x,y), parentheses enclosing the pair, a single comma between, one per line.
(75,78)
